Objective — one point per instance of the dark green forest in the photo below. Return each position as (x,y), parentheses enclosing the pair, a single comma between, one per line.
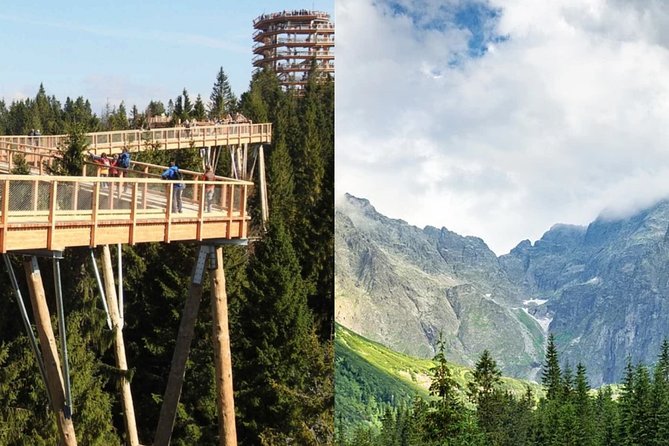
(280,289)
(570,413)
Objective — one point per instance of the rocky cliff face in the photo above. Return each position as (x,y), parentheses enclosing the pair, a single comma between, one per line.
(602,289)
(606,288)
(401,285)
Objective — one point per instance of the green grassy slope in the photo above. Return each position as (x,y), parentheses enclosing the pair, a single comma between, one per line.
(370,377)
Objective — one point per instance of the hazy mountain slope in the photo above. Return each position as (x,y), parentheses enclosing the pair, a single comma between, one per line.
(400,285)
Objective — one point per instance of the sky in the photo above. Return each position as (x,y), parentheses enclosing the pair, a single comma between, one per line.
(131,51)
(499,119)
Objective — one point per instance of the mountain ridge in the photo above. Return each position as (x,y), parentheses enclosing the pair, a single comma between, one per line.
(601,288)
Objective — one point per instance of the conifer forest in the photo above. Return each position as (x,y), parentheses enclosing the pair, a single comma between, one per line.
(279,287)
(566,412)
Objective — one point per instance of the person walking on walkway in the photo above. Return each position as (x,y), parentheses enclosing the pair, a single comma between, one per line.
(173,173)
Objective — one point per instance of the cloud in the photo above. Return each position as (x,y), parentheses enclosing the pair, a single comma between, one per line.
(565,116)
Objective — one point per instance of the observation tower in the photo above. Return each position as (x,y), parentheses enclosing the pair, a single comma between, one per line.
(290,42)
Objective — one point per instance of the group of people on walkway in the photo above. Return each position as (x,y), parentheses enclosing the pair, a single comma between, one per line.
(116,166)
(173,173)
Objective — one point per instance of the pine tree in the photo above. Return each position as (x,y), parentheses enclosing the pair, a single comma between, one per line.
(492,404)
(178,113)
(78,114)
(71,161)
(486,378)
(137,119)
(121,118)
(660,398)
(442,384)
(606,418)
(187,112)
(21,166)
(551,376)
(643,420)
(280,181)
(316,196)
(276,342)
(567,382)
(447,416)
(388,435)
(626,404)
(583,407)
(3,117)
(199,112)
(156,108)
(222,98)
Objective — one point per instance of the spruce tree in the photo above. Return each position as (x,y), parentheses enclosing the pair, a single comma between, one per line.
(187,112)
(446,417)
(21,166)
(551,376)
(492,405)
(660,398)
(276,342)
(567,382)
(583,407)
(178,113)
(316,197)
(626,403)
(643,419)
(442,384)
(222,98)
(71,160)
(606,418)
(486,378)
(199,112)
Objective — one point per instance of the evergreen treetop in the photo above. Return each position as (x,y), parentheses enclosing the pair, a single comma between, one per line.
(551,376)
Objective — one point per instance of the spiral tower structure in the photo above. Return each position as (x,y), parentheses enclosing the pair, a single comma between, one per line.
(291,42)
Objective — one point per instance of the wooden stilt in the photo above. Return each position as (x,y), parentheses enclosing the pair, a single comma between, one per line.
(119,348)
(222,357)
(47,343)
(181,350)
(264,205)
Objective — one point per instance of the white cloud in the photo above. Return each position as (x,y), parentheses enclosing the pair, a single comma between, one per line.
(565,118)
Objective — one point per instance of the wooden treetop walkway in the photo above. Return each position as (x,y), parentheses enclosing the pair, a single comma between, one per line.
(162,139)
(42,212)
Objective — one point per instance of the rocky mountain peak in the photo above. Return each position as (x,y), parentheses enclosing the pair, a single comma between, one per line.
(602,289)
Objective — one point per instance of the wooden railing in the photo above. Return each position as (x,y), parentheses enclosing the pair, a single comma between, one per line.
(37,158)
(48,212)
(163,139)
(140,169)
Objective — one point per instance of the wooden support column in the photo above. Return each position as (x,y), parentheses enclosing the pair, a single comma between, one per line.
(222,357)
(264,205)
(47,342)
(181,351)
(119,348)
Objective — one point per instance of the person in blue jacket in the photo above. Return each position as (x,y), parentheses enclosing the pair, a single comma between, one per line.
(172,173)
